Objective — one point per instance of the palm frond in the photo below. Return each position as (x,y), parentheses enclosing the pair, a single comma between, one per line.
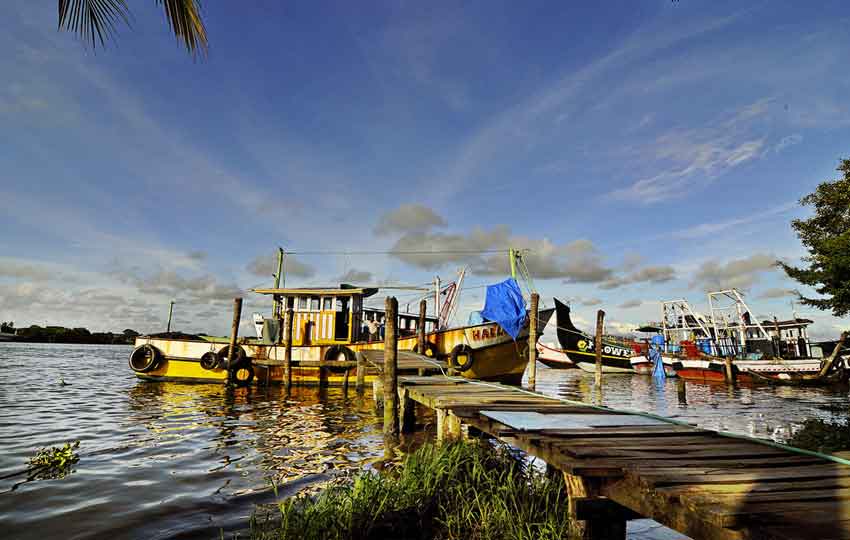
(95,20)
(184,18)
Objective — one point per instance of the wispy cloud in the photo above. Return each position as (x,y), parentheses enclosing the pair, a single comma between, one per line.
(715,227)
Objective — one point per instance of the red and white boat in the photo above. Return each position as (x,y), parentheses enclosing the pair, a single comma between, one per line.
(552,356)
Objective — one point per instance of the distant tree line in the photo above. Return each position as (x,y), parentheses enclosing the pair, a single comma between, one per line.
(60,334)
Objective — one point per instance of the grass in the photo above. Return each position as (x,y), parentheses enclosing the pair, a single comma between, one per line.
(463,490)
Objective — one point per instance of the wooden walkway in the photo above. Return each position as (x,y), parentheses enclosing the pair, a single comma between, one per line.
(620,465)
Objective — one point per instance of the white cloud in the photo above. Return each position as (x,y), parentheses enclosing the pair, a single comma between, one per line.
(739,273)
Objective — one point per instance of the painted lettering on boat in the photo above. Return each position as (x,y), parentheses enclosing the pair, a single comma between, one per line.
(488,332)
(610,350)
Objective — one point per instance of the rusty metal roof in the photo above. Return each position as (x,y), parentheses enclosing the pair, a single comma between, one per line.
(320,291)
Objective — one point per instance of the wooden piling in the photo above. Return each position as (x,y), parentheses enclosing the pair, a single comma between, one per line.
(407,411)
(287,350)
(728,373)
(532,341)
(361,371)
(391,377)
(600,317)
(420,331)
(234,335)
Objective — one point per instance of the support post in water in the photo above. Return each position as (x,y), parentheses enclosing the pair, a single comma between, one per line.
(234,335)
(287,348)
(361,371)
(391,377)
(727,371)
(420,331)
(532,341)
(600,318)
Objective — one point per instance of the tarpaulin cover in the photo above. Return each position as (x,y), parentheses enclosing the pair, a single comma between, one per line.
(505,305)
(655,356)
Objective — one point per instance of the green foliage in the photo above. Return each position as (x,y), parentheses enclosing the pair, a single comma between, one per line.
(456,491)
(95,21)
(59,334)
(823,436)
(826,235)
(8,327)
(56,461)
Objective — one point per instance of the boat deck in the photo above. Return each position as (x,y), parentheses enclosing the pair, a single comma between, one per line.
(701,483)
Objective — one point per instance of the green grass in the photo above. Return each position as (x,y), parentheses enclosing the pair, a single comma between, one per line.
(464,490)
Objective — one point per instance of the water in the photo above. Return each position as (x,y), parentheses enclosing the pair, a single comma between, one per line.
(160,460)
(171,460)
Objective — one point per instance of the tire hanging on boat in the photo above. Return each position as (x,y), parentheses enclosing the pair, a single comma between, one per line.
(430,350)
(242,373)
(465,351)
(145,358)
(209,360)
(333,353)
(224,353)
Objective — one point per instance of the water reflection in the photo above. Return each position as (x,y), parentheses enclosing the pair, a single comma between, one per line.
(163,460)
(760,411)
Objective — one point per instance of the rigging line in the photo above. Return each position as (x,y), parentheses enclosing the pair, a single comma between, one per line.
(400,252)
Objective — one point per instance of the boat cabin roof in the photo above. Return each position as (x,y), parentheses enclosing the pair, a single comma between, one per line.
(364,292)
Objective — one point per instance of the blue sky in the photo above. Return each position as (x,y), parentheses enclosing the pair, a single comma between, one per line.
(641,151)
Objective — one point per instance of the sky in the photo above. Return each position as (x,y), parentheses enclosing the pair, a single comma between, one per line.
(640,151)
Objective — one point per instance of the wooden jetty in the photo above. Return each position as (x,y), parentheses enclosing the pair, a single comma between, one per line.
(623,465)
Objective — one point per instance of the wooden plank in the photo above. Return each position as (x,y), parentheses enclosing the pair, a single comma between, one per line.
(667,430)
(533,421)
(681,476)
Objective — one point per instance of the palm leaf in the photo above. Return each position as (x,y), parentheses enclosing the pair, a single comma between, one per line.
(95,20)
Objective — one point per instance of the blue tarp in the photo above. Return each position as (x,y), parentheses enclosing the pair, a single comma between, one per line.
(655,356)
(505,305)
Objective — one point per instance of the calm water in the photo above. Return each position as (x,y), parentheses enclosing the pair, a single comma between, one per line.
(169,460)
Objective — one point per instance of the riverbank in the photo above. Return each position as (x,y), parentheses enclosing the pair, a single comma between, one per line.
(470,490)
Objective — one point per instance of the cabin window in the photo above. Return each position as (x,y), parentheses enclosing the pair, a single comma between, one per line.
(403,324)
(314,303)
(290,302)
(302,303)
(327,304)
(339,305)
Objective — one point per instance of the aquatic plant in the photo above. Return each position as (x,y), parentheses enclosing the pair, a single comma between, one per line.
(463,490)
(55,461)
(823,436)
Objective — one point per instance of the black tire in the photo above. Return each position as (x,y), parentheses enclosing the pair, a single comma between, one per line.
(223,354)
(145,358)
(430,350)
(209,360)
(461,351)
(334,352)
(242,374)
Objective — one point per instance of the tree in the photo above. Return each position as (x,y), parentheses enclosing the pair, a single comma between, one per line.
(95,20)
(826,236)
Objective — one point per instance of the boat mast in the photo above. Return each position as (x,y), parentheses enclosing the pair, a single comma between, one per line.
(437,300)
(276,305)
(512,256)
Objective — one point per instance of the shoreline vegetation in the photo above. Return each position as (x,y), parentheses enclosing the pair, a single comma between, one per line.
(460,490)
(60,334)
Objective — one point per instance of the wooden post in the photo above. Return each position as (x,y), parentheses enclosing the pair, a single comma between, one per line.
(728,373)
(407,411)
(532,341)
(420,331)
(345,381)
(778,342)
(600,317)
(597,518)
(390,377)
(234,335)
(287,350)
(361,371)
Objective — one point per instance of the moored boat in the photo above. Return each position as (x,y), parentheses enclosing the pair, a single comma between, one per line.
(328,330)
(554,357)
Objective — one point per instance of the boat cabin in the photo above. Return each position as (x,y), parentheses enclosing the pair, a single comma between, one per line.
(330,316)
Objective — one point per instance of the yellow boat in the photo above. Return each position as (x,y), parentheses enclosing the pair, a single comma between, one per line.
(327,332)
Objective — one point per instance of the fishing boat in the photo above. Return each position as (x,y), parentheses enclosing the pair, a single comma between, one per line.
(329,328)
(580,348)
(759,351)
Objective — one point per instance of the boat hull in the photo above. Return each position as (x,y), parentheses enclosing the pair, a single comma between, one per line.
(713,369)
(553,357)
(644,366)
